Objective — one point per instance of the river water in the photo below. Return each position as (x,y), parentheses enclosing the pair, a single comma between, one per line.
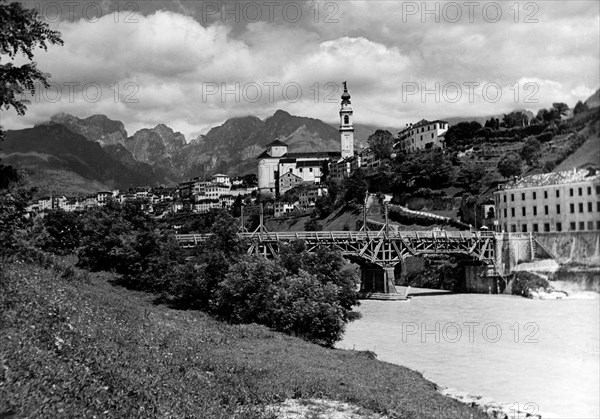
(539,355)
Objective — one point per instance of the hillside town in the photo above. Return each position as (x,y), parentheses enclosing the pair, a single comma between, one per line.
(547,202)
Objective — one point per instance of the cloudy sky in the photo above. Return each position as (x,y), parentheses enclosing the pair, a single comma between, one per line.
(193,64)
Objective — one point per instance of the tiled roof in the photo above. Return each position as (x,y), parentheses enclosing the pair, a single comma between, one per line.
(277,143)
(421,123)
(559,178)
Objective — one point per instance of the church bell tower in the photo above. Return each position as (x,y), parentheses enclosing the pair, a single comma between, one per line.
(346,127)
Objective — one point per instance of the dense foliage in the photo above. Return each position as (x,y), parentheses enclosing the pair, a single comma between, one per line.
(310,295)
(523,282)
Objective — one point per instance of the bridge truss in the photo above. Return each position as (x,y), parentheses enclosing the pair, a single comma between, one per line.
(382,248)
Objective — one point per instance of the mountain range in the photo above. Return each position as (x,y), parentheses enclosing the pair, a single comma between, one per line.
(72,155)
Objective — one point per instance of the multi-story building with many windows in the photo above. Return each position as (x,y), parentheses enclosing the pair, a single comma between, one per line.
(550,202)
(423,135)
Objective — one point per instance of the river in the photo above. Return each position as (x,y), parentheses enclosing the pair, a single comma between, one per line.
(540,355)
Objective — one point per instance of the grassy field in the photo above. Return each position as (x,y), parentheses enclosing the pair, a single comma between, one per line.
(81,347)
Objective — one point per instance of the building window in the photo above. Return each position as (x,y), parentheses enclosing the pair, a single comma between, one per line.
(546,209)
(504,196)
(346,119)
(557,193)
(581,226)
(523,196)
(580,191)
(572,208)
(513,228)
(524,228)
(598,189)
(432,135)
(545,194)
(558,227)
(524,211)
(589,190)
(590,225)
(590,207)
(572,226)
(558,208)
(598,206)
(534,210)
(310,170)
(512,196)
(571,192)
(581,207)
(546,227)
(534,195)
(505,213)
(512,212)
(597,225)
(534,226)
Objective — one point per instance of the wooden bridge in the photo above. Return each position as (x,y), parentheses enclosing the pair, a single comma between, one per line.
(377,252)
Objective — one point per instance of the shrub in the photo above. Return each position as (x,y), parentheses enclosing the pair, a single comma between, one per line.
(524,282)
(305,307)
(246,294)
(60,232)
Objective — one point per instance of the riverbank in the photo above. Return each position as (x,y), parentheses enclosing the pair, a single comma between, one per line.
(572,280)
(76,346)
(499,351)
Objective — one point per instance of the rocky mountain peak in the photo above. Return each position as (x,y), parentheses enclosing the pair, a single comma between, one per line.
(97,128)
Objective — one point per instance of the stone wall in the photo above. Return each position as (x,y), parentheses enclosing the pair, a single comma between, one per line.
(577,246)
(512,249)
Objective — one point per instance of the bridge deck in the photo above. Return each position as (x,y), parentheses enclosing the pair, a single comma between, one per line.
(374,247)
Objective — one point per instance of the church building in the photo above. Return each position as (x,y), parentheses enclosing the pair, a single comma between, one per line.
(280,170)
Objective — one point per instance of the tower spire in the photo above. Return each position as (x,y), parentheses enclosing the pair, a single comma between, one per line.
(346,126)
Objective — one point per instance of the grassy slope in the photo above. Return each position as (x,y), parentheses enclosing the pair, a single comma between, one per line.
(79,349)
(589,152)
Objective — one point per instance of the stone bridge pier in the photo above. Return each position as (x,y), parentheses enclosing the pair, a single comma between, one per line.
(378,282)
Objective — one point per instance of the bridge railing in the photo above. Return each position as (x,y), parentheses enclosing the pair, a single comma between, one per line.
(345,235)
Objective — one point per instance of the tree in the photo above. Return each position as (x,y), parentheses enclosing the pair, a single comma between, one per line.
(510,165)
(531,151)
(22,31)
(427,169)
(381,143)
(312,224)
(355,187)
(61,232)
(472,175)
(462,134)
(515,119)
(493,123)
(560,108)
(580,107)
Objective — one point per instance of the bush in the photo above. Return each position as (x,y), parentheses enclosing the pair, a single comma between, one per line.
(304,294)
(305,307)
(60,232)
(524,282)
(246,295)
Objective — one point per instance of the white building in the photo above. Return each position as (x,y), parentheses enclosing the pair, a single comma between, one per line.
(276,161)
(220,178)
(423,135)
(550,202)
(283,208)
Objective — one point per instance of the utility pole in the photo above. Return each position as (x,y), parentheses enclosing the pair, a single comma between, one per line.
(387,221)
(364,226)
